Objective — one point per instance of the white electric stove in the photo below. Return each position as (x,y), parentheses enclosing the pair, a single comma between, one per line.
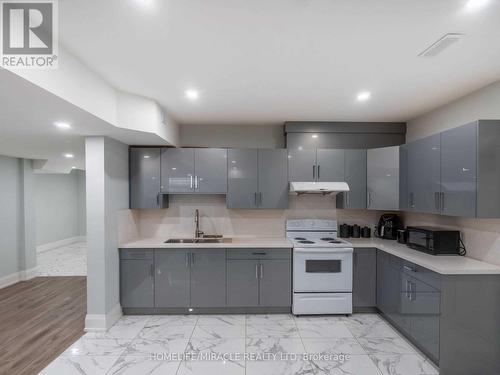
(322,268)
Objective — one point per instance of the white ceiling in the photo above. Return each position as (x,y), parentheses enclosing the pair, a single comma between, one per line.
(268,61)
(27,129)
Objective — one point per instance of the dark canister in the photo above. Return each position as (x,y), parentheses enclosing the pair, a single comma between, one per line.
(366,232)
(402,236)
(344,231)
(356,231)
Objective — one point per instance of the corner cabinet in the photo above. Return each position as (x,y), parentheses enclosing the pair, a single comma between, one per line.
(190,170)
(145,178)
(257,178)
(453,173)
(355,176)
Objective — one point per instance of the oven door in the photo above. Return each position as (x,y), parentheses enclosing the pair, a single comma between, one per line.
(322,270)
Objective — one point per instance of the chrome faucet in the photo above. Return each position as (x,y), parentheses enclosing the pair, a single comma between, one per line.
(197,233)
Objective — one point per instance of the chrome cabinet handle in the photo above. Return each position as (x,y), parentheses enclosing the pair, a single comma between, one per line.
(191,181)
(196,182)
(319,175)
(261,271)
(412,292)
(442,201)
(256,271)
(407,292)
(158,199)
(314,172)
(369,199)
(412,200)
(437,202)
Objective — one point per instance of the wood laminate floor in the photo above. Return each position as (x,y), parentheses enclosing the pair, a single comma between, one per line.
(39,319)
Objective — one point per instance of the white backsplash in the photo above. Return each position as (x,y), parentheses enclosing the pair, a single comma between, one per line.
(215,218)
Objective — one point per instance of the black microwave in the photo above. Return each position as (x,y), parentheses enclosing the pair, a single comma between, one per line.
(434,241)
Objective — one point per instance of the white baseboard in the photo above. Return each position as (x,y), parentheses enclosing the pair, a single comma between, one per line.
(102,322)
(60,243)
(18,276)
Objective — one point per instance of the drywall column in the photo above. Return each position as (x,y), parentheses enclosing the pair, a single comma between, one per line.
(106,195)
(27,242)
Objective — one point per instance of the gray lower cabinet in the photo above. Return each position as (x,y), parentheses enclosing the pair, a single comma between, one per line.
(257,178)
(189,170)
(259,278)
(382,178)
(172,274)
(145,172)
(137,285)
(355,176)
(364,283)
(242,282)
(208,278)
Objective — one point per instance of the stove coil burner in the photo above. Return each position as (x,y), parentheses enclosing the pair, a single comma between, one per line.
(335,241)
(299,239)
(306,242)
(328,239)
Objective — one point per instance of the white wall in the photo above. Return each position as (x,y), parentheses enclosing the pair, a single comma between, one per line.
(107,195)
(17,247)
(481,236)
(238,136)
(60,206)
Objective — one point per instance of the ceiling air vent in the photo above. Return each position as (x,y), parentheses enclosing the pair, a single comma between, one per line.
(441,44)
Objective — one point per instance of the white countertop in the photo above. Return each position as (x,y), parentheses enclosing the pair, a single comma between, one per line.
(443,264)
(236,242)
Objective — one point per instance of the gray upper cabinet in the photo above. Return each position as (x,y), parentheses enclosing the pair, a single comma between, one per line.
(172,278)
(382,178)
(257,178)
(355,176)
(208,278)
(330,165)
(424,174)
(302,165)
(243,182)
(145,171)
(210,170)
(403,178)
(177,175)
(458,171)
(273,178)
(188,170)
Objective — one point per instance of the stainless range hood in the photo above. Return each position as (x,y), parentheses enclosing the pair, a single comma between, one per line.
(318,187)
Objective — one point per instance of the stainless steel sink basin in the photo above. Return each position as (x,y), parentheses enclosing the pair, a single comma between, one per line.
(198,240)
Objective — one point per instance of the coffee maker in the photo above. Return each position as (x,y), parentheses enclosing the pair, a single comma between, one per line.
(388,226)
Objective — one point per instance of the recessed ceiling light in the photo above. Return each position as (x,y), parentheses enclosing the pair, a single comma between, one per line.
(363,96)
(68,156)
(73,167)
(62,125)
(146,156)
(314,136)
(192,94)
(473,5)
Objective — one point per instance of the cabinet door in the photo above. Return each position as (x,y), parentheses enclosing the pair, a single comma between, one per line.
(273,179)
(302,165)
(208,278)
(355,176)
(172,278)
(137,283)
(275,283)
(424,174)
(177,170)
(425,311)
(145,178)
(210,165)
(242,184)
(242,283)
(331,165)
(364,278)
(458,171)
(382,178)
(403,178)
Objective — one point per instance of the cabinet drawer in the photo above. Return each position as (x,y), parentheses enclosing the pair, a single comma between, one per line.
(259,254)
(136,254)
(422,274)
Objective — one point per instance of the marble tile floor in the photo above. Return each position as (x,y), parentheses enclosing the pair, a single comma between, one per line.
(69,260)
(362,344)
